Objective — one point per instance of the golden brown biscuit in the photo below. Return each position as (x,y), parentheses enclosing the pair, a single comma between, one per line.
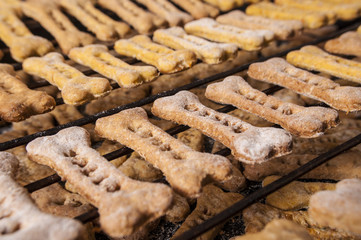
(209,52)
(225,5)
(197,8)
(18,38)
(50,16)
(315,59)
(282,29)
(301,121)
(168,11)
(245,39)
(125,205)
(278,230)
(278,71)
(212,201)
(21,219)
(310,19)
(248,143)
(35,124)
(166,60)
(359,29)
(76,88)
(184,168)
(179,210)
(98,58)
(104,27)
(348,43)
(18,102)
(341,208)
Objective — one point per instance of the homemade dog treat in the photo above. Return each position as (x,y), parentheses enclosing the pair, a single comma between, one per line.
(314,58)
(209,52)
(279,229)
(18,102)
(184,168)
(225,5)
(76,88)
(278,71)
(348,43)
(179,210)
(19,39)
(49,15)
(197,8)
(98,58)
(281,28)
(248,143)
(301,121)
(295,195)
(168,11)
(104,27)
(21,219)
(137,17)
(359,29)
(212,201)
(166,60)
(340,209)
(125,205)
(310,19)
(245,39)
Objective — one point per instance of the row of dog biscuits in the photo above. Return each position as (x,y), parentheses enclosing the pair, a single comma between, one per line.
(348,43)
(197,8)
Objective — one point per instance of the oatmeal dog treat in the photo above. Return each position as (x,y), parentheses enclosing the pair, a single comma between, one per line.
(340,209)
(166,60)
(248,143)
(301,121)
(315,59)
(281,28)
(125,205)
(278,71)
(245,39)
(348,43)
(168,11)
(18,38)
(104,27)
(310,19)
(184,168)
(142,21)
(212,201)
(49,15)
(21,219)
(76,88)
(279,229)
(197,8)
(98,58)
(208,52)
(225,5)
(18,102)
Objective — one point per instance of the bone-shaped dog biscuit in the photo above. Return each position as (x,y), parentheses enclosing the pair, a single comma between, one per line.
(281,28)
(209,52)
(168,11)
(98,58)
(314,58)
(226,5)
(19,39)
(301,121)
(248,143)
(141,20)
(348,43)
(310,19)
(279,71)
(243,38)
(124,204)
(184,168)
(48,14)
(104,27)
(21,219)
(76,88)
(197,8)
(18,102)
(166,60)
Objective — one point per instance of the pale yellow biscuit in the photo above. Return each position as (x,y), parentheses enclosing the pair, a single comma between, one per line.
(314,58)
(209,52)
(197,8)
(166,60)
(76,88)
(244,38)
(225,5)
(125,205)
(348,43)
(98,58)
